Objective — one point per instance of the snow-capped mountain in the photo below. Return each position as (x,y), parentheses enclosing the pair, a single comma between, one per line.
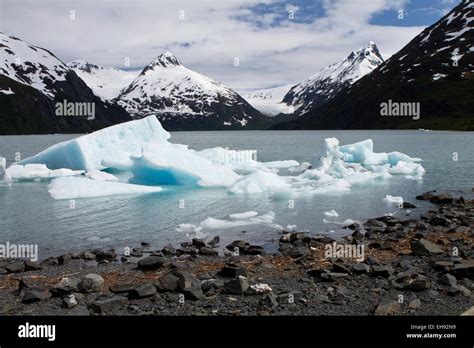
(324,85)
(435,71)
(269,100)
(105,82)
(184,99)
(31,65)
(32,81)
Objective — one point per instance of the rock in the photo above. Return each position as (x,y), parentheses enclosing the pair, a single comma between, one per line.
(122,288)
(151,263)
(295,251)
(470,311)
(65,286)
(90,283)
(464,269)
(419,283)
(168,282)
(193,293)
(448,279)
(232,270)
(168,250)
(269,300)
(443,198)
(387,307)
(88,256)
(408,205)
(145,244)
(199,243)
(32,266)
(79,311)
(341,268)
(50,261)
(236,286)
(333,276)
(241,244)
(211,285)
(186,281)
(443,265)
(206,251)
(360,268)
(423,247)
(137,252)
(142,291)
(69,301)
(108,304)
(425,196)
(105,254)
(261,288)
(63,259)
(415,304)
(214,241)
(32,296)
(16,266)
(382,271)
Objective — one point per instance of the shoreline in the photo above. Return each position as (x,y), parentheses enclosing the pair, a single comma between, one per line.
(422,266)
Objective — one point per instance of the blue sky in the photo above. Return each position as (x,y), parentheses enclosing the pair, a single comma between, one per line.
(275,42)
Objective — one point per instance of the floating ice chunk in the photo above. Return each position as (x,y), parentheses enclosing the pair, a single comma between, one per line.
(331,214)
(213,224)
(246,215)
(291,228)
(259,182)
(115,144)
(301,168)
(393,200)
(173,164)
(74,187)
(95,174)
(31,172)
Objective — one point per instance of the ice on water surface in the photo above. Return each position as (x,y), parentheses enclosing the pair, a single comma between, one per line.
(141,147)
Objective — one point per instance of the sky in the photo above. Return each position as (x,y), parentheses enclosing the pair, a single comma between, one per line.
(246,44)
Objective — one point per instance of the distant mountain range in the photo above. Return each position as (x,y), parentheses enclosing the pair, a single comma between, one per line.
(433,74)
(105,82)
(33,81)
(183,99)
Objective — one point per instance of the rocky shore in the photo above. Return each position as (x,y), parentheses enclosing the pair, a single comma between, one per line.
(387,266)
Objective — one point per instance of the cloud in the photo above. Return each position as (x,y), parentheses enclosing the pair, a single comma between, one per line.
(207,35)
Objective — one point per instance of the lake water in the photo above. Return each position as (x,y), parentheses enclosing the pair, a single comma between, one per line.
(28,215)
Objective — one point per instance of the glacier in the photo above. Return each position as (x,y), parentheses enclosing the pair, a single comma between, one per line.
(142,149)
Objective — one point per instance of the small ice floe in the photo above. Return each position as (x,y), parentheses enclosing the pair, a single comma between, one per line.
(290,228)
(332,214)
(261,288)
(393,200)
(7,91)
(35,172)
(74,187)
(233,220)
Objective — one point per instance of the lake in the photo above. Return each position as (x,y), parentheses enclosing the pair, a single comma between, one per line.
(28,215)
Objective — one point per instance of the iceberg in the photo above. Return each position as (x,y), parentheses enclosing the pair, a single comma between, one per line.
(142,147)
(331,214)
(75,187)
(32,172)
(261,181)
(116,143)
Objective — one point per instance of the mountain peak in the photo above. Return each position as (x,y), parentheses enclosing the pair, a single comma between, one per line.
(166,59)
